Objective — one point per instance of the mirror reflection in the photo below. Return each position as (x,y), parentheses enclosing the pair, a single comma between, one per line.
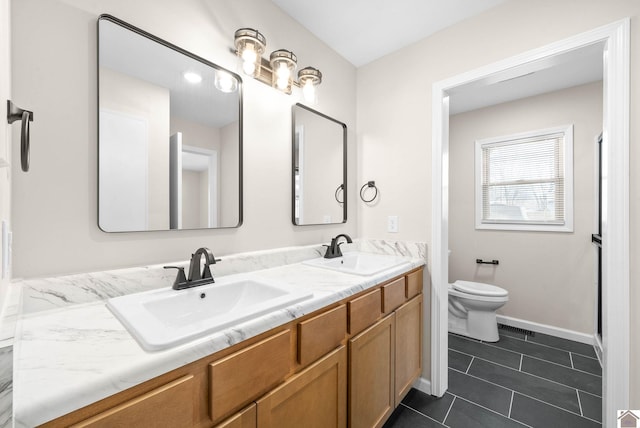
(319,168)
(170,140)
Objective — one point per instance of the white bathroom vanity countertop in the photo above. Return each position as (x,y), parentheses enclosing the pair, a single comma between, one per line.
(68,358)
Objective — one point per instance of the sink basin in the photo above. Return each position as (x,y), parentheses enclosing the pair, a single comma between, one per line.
(357,263)
(164,318)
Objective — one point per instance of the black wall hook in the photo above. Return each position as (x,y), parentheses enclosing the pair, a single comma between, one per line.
(16,113)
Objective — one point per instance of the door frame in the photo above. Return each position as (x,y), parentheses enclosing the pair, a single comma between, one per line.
(615,206)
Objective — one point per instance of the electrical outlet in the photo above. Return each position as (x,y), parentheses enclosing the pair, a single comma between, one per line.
(392,224)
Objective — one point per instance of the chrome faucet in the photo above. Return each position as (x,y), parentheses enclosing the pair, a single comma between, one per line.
(333,249)
(195,278)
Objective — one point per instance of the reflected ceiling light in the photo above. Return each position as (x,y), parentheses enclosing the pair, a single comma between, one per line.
(192,77)
(279,70)
(225,82)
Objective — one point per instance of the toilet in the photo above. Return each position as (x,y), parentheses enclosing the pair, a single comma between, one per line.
(472,309)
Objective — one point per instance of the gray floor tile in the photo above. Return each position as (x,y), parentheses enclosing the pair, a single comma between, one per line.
(591,406)
(534,350)
(564,375)
(467,415)
(567,345)
(434,407)
(487,352)
(459,361)
(480,392)
(538,414)
(404,417)
(527,384)
(590,365)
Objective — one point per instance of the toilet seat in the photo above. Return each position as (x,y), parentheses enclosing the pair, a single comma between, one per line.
(480,289)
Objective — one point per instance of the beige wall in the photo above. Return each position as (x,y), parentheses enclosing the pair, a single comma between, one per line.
(195,134)
(394,118)
(321,167)
(54,43)
(533,265)
(228,176)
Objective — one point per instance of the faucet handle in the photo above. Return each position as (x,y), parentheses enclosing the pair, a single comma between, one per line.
(206,273)
(180,278)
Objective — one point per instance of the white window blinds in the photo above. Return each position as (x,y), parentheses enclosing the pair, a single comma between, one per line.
(523,180)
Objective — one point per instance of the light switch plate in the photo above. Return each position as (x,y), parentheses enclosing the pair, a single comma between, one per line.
(392,224)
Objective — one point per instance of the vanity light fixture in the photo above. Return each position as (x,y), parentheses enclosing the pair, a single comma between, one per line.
(250,45)
(309,78)
(279,70)
(283,64)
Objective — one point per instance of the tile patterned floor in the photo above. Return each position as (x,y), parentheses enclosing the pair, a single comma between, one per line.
(519,381)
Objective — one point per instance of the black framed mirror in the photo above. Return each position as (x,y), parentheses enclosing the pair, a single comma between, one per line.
(169,135)
(319,168)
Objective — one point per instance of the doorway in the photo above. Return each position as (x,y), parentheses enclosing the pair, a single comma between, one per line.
(615,196)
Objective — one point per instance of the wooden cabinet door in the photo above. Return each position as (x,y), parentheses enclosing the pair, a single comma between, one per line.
(371,375)
(408,346)
(313,398)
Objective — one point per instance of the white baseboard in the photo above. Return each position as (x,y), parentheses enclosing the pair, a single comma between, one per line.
(588,339)
(422,384)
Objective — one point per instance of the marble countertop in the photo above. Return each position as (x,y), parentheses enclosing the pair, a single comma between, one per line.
(70,357)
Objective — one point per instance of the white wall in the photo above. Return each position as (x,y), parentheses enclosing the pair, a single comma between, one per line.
(193,204)
(394,118)
(534,266)
(143,100)
(5,133)
(55,212)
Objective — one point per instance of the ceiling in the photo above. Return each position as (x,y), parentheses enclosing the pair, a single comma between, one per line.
(365,30)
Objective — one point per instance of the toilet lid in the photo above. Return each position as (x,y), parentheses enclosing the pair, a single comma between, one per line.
(479,288)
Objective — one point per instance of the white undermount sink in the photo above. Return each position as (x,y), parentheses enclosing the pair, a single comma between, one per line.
(358,263)
(164,318)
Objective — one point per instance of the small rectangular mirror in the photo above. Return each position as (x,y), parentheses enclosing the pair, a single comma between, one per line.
(319,168)
(170,135)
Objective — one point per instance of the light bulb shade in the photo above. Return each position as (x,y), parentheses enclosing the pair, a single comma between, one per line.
(309,75)
(283,64)
(250,45)
(225,82)
(308,79)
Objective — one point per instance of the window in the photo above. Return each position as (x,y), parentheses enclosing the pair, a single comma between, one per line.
(525,181)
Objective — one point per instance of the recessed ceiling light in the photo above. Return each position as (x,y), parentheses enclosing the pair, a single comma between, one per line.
(192,77)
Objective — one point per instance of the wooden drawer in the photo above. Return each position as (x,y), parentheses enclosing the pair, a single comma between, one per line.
(414,284)
(245,418)
(320,334)
(393,295)
(171,405)
(240,378)
(364,311)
